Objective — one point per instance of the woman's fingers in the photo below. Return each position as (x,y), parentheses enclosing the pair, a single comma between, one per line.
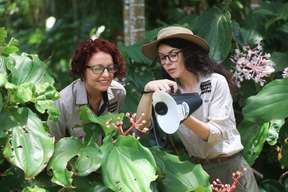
(161,85)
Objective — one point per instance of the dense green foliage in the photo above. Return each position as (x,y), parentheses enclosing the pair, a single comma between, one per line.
(26,100)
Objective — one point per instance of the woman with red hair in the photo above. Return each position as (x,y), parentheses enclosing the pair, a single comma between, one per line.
(97,63)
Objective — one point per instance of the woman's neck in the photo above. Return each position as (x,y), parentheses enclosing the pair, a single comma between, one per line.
(188,81)
(94,98)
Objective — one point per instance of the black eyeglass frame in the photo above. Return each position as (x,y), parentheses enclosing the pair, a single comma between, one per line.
(175,54)
(110,69)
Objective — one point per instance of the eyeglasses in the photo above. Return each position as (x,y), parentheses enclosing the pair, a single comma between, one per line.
(172,56)
(100,69)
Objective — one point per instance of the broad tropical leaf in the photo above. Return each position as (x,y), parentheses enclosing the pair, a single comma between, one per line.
(65,150)
(253,142)
(29,68)
(88,116)
(270,103)
(280,59)
(215,26)
(29,145)
(127,165)
(177,175)
(88,159)
(244,36)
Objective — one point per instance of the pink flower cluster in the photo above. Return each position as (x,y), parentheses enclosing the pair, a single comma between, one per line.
(135,124)
(218,186)
(285,73)
(252,63)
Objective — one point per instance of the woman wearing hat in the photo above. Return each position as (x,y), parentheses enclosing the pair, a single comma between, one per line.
(209,134)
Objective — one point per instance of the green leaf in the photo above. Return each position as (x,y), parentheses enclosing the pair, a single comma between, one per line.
(254,142)
(217,31)
(38,89)
(34,189)
(65,150)
(29,68)
(3,36)
(3,79)
(177,175)
(127,165)
(22,93)
(136,55)
(245,36)
(1,101)
(88,160)
(29,145)
(273,133)
(270,103)
(280,59)
(3,71)
(88,116)
(9,49)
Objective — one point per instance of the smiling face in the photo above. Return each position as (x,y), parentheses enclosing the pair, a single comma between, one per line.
(96,82)
(172,60)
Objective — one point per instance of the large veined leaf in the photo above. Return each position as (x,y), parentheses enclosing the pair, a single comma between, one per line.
(88,159)
(65,150)
(280,59)
(29,68)
(29,145)
(270,103)
(245,36)
(30,82)
(127,165)
(177,175)
(215,26)
(43,95)
(86,115)
(254,143)
(253,137)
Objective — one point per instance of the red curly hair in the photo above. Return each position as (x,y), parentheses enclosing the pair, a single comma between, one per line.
(85,51)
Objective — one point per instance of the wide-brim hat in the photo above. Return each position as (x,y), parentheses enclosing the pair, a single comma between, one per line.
(150,50)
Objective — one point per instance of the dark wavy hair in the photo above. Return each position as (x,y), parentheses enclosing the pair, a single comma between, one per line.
(197,61)
(85,51)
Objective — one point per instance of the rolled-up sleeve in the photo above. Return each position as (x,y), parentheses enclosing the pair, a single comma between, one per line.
(221,114)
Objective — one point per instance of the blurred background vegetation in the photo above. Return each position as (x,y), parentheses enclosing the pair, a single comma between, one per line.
(225,24)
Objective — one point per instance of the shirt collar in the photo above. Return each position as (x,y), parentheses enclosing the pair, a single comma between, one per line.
(81,93)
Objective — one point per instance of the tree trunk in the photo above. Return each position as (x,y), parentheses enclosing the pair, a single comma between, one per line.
(134,21)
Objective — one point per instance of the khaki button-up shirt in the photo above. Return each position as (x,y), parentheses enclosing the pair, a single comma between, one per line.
(71,99)
(217,111)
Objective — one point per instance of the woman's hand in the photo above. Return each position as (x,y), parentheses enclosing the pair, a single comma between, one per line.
(161,85)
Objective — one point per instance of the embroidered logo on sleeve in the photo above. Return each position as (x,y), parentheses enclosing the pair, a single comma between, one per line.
(205,87)
(112,107)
